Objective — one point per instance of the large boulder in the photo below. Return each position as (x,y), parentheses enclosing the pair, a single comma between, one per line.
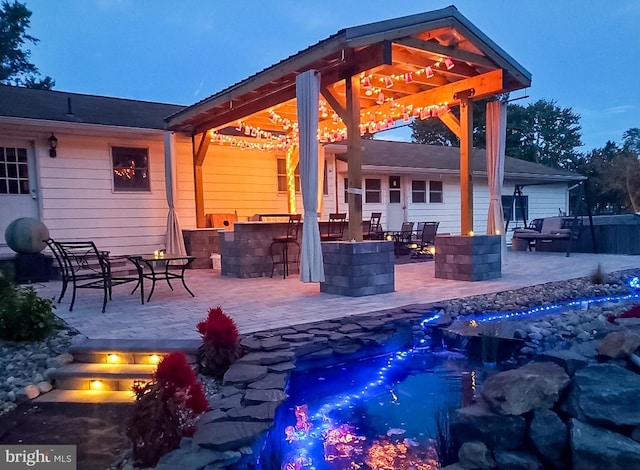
(478,422)
(517,460)
(548,434)
(476,455)
(619,344)
(605,394)
(535,385)
(568,359)
(594,448)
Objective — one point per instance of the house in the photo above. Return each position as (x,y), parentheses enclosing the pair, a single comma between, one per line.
(107,180)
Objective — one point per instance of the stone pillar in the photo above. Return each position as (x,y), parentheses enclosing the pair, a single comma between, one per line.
(356,269)
(471,258)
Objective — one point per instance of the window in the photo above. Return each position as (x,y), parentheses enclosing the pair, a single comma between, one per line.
(14,171)
(435,191)
(346,194)
(325,183)
(418,191)
(130,169)
(281,165)
(394,190)
(372,191)
(521,204)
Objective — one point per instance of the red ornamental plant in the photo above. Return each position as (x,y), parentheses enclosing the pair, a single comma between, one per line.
(220,343)
(633,312)
(166,409)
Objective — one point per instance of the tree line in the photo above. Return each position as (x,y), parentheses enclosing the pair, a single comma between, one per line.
(540,132)
(545,133)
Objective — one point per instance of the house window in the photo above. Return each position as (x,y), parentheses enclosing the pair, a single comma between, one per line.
(325,183)
(130,169)
(372,191)
(14,171)
(418,191)
(518,206)
(394,190)
(346,194)
(281,165)
(435,191)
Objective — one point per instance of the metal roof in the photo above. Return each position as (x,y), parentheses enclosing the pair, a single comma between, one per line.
(393,46)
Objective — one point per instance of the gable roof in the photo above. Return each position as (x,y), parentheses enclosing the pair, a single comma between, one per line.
(49,105)
(403,157)
(382,49)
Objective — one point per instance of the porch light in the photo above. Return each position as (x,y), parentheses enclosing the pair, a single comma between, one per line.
(471,233)
(53,144)
(154,358)
(449,63)
(113,358)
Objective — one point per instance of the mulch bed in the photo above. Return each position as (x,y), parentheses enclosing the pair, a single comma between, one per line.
(98,431)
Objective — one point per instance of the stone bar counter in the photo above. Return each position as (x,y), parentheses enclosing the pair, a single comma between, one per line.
(244,251)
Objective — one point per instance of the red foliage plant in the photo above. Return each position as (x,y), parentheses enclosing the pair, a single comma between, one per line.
(633,312)
(166,409)
(218,328)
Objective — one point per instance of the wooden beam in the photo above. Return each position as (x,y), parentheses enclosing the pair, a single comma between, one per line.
(444,51)
(336,102)
(354,159)
(198,181)
(451,122)
(466,165)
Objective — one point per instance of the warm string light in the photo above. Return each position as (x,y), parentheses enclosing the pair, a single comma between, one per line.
(291,180)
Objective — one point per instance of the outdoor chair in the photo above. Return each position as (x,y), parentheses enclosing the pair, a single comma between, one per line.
(403,238)
(374,230)
(282,244)
(85,267)
(425,243)
(335,227)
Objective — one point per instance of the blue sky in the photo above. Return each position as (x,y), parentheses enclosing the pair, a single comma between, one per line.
(582,54)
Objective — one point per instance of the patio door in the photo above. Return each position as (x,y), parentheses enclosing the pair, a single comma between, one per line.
(18,196)
(395,205)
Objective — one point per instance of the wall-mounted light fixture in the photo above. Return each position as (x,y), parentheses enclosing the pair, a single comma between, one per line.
(53,144)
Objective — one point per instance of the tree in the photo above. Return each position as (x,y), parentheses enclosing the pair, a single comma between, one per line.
(541,132)
(614,178)
(15,66)
(631,139)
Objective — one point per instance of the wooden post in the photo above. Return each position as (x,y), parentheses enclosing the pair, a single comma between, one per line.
(466,165)
(354,159)
(198,182)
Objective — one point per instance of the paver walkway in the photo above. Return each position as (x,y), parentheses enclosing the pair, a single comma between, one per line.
(264,303)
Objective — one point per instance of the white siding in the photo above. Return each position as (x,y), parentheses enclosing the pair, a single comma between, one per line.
(78,201)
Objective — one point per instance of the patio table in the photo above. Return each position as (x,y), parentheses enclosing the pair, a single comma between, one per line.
(160,267)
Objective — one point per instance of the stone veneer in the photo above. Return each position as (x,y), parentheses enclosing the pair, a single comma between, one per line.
(356,269)
(201,243)
(468,258)
(232,433)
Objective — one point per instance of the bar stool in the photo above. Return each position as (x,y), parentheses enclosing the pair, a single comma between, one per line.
(335,227)
(282,242)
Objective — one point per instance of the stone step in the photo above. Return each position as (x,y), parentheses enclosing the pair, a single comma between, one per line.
(117,351)
(86,396)
(111,377)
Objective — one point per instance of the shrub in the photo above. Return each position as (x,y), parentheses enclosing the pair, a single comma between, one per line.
(166,409)
(443,439)
(598,276)
(24,316)
(220,343)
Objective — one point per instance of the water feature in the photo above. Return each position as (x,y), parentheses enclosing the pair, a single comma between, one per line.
(375,413)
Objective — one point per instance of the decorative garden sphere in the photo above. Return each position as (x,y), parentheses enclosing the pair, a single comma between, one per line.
(26,235)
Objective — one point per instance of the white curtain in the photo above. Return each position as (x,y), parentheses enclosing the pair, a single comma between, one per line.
(308,97)
(175,242)
(496,143)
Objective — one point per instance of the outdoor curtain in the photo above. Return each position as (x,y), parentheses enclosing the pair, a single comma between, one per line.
(496,142)
(308,97)
(175,242)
